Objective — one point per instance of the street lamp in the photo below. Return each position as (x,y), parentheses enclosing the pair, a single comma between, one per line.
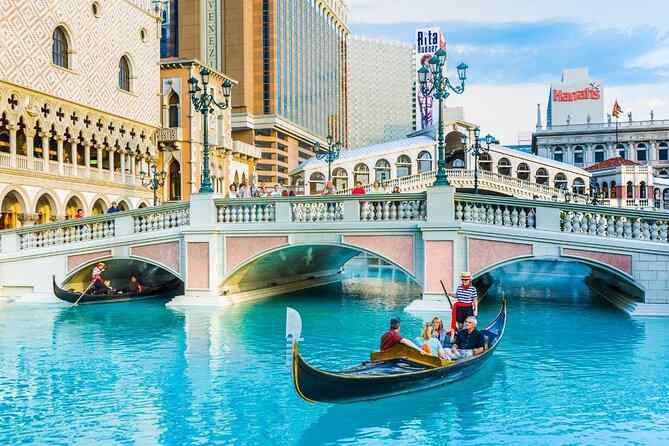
(330,153)
(440,91)
(204,103)
(153,179)
(477,150)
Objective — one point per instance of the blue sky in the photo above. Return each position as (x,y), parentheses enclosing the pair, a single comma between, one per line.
(516,48)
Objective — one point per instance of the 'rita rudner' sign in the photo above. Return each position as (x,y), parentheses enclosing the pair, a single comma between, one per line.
(571,96)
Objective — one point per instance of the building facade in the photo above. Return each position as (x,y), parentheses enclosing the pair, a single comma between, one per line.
(181,137)
(78,106)
(381,76)
(289,60)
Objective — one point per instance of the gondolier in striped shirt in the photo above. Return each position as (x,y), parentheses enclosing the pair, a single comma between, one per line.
(466,301)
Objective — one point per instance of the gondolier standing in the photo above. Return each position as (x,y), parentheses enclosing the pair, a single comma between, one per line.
(96,277)
(467,301)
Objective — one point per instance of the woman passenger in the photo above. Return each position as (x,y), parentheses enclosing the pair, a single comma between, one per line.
(438,330)
(428,343)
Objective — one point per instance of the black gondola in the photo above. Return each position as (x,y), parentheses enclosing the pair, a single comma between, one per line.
(392,372)
(168,290)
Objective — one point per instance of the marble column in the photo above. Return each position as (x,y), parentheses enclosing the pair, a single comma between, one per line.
(30,148)
(12,145)
(123,155)
(112,152)
(59,142)
(87,158)
(73,156)
(45,152)
(99,161)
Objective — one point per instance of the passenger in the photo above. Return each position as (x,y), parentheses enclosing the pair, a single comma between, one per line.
(96,278)
(468,341)
(135,285)
(438,330)
(467,302)
(377,188)
(359,189)
(396,190)
(392,337)
(428,343)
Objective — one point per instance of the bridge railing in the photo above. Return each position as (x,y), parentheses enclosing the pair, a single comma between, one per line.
(572,218)
(96,228)
(330,208)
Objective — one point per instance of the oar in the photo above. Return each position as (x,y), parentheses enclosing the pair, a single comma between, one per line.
(84,292)
(446,294)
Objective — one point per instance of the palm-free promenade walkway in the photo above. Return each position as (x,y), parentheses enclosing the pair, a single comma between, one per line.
(227,251)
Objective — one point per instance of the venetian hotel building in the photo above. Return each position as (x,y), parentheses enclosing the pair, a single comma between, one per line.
(79,106)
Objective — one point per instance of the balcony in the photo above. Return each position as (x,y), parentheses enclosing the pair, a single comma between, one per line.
(169,134)
(243,148)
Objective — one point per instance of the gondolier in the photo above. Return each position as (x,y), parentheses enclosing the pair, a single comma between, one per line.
(96,277)
(466,301)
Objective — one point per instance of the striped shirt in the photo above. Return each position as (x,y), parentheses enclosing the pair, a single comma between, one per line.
(466,295)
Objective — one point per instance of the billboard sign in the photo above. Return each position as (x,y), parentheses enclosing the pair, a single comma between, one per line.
(428,41)
(576,99)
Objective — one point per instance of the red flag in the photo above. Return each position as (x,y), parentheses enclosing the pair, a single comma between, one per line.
(617,110)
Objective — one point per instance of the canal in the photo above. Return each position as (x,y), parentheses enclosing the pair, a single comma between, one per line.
(570,370)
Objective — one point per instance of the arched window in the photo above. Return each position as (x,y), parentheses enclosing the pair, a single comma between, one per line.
(558,154)
(361,173)
(599,153)
(504,167)
(641,152)
(578,156)
(485,162)
(561,181)
(621,150)
(99,207)
(523,172)
(123,206)
(173,110)
(630,189)
(643,190)
(175,180)
(403,166)
(579,186)
(124,74)
(605,189)
(663,152)
(382,170)
(60,48)
(665,197)
(316,183)
(663,174)
(542,176)
(614,190)
(340,178)
(12,211)
(424,162)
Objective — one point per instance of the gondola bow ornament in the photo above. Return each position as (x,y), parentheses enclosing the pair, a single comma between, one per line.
(293,325)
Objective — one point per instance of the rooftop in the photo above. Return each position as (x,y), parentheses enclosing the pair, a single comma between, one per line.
(610,163)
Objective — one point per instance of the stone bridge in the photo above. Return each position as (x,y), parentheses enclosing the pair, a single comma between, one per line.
(228,251)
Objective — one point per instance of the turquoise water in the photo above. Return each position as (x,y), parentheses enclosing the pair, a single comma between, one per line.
(141,374)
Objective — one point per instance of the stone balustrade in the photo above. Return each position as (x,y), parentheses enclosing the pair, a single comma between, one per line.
(73,231)
(245,211)
(170,216)
(393,209)
(317,211)
(471,210)
(599,222)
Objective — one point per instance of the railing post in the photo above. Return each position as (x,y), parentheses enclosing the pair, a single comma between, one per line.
(351,210)
(283,211)
(124,225)
(441,204)
(548,219)
(9,243)
(203,210)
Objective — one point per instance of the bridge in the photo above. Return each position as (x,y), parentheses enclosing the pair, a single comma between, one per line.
(229,251)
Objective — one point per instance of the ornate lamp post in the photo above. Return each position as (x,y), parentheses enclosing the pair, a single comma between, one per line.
(477,150)
(329,153)
(440,91)
(204,103)
(154,180)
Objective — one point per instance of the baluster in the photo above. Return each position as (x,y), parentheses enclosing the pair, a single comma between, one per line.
(395,209)
(271,212)
(636,229)
(627,228)
(522,218)
(506,215)
(329,214)
(458,211)
(664,229)
(498,217)
(467,214)
(567,221)
(481,214)
(592,224)
(226,214)
(602,224)
(654,231)
(514,218)
(645,230)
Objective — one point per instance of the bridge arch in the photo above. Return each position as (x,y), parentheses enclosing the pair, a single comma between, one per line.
(595,275)
(293,262)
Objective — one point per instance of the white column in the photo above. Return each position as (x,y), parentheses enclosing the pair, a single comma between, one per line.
(123,155)
(131,158)
(652,152)
(59,142)
(30,147)
(112,151)
(73,155)
(99,166)
(45,152)
(87,157)
(12,145)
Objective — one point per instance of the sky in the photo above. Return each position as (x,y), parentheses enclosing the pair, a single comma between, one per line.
(515,49)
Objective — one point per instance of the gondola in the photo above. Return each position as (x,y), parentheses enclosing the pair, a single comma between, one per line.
(168,290)
(396,371)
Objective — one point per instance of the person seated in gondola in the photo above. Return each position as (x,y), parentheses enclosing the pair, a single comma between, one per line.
(468,341)
(392,337)
(439,332)
(135,286)
(428,343)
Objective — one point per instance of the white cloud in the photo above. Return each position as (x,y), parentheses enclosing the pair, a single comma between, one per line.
(658,58)
(506,110)
(616,14)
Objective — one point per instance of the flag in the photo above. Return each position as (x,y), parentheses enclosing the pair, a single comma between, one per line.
(617,110)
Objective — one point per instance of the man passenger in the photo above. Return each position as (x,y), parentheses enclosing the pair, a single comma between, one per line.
(468,341)
(392,337)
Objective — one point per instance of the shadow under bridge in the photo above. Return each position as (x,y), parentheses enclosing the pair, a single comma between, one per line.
(118,273)
(294,266)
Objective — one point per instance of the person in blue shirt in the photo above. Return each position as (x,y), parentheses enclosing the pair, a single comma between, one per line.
(428,343)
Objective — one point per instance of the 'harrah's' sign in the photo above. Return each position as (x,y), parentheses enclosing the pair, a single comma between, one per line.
(571,96)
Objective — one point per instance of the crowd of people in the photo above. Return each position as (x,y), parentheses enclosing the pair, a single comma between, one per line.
(461,340)
(253,191)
